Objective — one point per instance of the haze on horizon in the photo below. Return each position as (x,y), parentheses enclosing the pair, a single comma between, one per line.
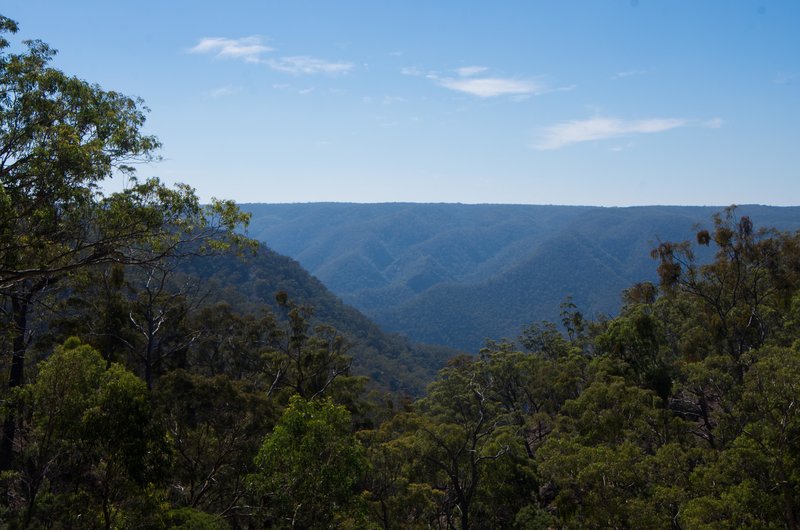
(625,102)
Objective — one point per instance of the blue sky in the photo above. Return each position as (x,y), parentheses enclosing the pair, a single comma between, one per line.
(602,102)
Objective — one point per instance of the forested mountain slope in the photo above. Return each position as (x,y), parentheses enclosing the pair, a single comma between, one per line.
(250,282)
(455,274)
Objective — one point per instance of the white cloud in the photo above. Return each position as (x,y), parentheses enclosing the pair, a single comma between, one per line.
(469,71)
(470,81)
(308,65)
(251,49)
(487,87)
(572,132)
(248,49)
(714,123)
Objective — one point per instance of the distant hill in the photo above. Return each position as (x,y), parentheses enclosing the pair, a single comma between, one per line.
(456,274)
(250,283)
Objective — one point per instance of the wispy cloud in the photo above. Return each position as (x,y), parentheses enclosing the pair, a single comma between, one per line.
(252,49)
(303,64)
(469,71)
(488,87)
(573,132)
(474,81)
(247,49)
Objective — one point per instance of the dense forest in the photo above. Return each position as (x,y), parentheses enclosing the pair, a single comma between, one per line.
(455,274)
(157,376)
(248,283)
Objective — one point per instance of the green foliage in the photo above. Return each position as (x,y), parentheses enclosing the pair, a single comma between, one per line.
(755,480)
(305,363)
(399,494)
(533,517)
(595,483)
(215,426)
(610,412)
(191,519)
(545,339)
(60,138)
(469,440)
(741,294)
(92,445)
(308,467)
(638,340)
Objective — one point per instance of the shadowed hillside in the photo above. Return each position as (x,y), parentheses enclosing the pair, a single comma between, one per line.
(250,283)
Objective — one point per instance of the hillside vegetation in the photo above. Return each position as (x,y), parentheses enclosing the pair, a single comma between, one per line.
(456,274)
(249,284)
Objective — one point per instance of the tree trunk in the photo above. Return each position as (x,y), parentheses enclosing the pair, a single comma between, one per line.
(19,309)
(789,513)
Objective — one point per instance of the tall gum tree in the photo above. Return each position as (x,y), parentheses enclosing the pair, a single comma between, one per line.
(60,138)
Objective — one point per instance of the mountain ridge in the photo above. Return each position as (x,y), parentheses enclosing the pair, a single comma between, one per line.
(455,274)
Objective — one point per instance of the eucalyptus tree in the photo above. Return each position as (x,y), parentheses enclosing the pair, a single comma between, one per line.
(308,469)
(462,431)
(93,444)
(740,298)
(60,138)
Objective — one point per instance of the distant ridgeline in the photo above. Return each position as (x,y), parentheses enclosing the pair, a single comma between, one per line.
(455,274)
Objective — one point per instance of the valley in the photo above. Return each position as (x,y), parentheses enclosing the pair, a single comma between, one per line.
(457,274)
